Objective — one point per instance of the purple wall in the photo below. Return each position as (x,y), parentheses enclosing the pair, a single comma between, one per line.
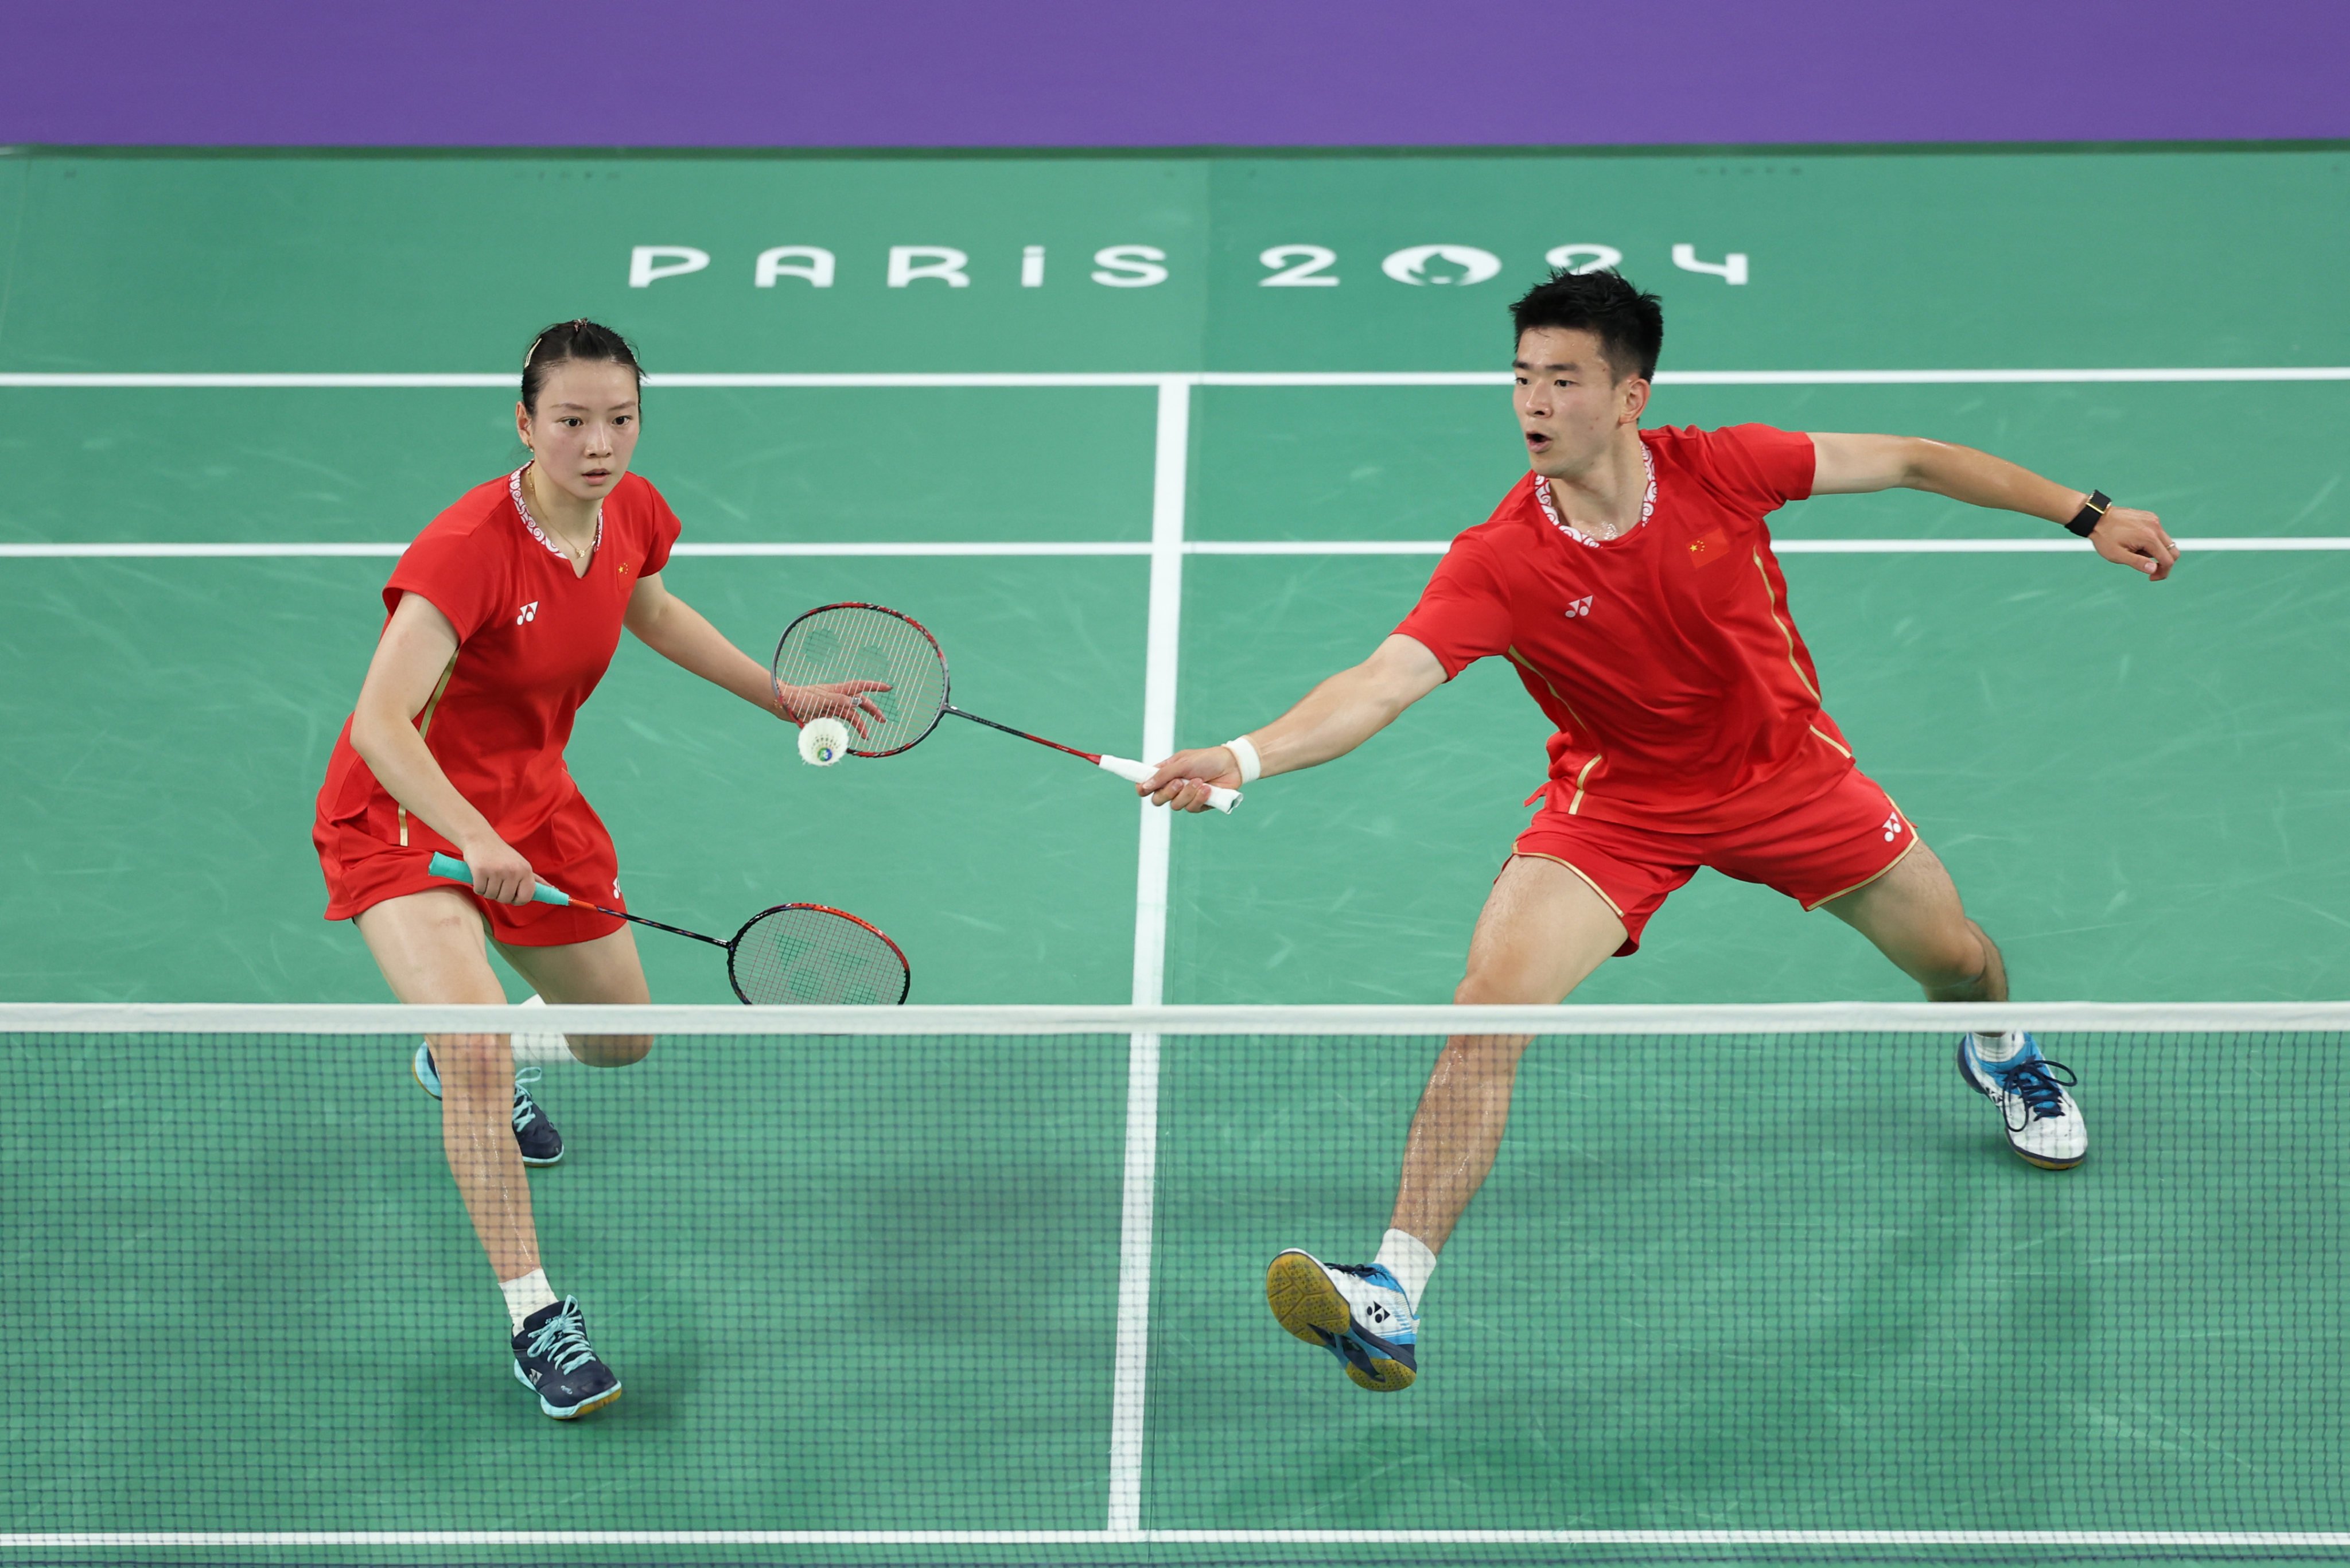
(931,73)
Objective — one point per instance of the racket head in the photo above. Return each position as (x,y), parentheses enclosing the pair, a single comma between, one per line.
(852,641)
(813,955)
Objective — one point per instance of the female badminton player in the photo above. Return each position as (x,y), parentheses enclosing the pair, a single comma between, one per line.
(501,617)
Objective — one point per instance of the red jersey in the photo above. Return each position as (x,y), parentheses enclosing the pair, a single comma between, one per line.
(1665,658)
(533,638)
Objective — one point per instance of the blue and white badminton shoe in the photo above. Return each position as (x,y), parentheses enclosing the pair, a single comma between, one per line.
(1356,1311)
(2043,1124)
(534,1136)
(554,1360)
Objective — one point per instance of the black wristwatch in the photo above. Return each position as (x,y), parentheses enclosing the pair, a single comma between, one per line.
(2084,522)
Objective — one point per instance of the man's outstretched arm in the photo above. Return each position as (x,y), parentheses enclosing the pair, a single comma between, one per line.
(1329,721)
(1853,465)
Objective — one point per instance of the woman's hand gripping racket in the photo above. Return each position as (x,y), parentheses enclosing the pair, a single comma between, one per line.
(793,955)
(899,675)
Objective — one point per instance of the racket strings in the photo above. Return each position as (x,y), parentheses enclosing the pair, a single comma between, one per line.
(804,956)
(862,643)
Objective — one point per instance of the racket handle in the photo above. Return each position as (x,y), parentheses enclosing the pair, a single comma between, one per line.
(456,870)
(1132,771)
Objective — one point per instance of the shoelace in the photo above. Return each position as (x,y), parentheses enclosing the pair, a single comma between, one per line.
(525,1109)
(563,1339)
(2034,1083)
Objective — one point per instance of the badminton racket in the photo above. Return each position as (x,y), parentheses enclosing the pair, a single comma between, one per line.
(899,674)
(793,955)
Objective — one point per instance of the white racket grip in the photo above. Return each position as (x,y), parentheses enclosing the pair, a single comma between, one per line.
(1132,771)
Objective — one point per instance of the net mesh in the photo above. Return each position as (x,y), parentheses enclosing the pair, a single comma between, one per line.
(805,955)
(844,643)
(914,1299)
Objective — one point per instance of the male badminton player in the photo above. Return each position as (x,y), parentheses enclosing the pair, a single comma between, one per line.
(1629,579)
(503,616)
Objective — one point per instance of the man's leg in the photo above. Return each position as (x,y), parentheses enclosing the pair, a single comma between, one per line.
(1913,915)
(1542,932)
(1543,929)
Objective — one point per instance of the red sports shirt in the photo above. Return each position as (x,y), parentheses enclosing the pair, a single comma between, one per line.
(533,639)
(1665,658)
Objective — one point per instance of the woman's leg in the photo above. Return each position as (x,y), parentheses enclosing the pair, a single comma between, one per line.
(605,971)
(432,949)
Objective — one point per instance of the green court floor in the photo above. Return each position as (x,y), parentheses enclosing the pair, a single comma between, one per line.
(858,1285)
(2134,784)
(874,1287)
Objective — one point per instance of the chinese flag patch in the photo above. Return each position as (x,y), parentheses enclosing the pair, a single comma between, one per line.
(1708,549)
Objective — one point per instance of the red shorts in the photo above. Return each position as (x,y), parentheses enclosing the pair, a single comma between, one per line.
(571,850)
(1828,846)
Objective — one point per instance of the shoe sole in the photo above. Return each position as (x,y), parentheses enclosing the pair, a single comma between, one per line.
(585,1408)
(556,1159)
(1309,1307)
(1966,1076)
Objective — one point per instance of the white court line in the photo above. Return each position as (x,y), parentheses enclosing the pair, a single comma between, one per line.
(2228,1540)
(338,1025)
(1170,474)
(506,380)
(1780,547)
(919,549)
(879,549)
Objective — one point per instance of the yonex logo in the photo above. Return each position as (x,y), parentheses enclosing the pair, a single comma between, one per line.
(1892,828)
(527,612)
(1580,606)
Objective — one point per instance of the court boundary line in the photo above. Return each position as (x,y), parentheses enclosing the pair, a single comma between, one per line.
(1335,1019)
(747,379)
(2160,1539)
(1139,1178)
(1136,549)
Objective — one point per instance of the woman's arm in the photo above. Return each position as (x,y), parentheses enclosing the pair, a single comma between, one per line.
(1857,464)
(409,661)
(676,631)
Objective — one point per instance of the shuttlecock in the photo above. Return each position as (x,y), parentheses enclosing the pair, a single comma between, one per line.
(823,742)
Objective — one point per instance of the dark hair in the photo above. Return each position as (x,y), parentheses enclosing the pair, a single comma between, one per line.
(568,341)
(1630,324)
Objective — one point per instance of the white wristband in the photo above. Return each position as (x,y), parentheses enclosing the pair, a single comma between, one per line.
(1244,751)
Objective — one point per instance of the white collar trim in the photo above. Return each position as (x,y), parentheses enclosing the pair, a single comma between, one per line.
(1542,494)
(514,488)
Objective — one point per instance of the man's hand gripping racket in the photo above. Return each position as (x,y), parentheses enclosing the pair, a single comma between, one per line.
(884,675)
(1190,780)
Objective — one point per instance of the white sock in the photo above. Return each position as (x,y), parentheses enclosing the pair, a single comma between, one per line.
(1407,1257)
(526,1295)
(1999,1047)
(538,1047)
